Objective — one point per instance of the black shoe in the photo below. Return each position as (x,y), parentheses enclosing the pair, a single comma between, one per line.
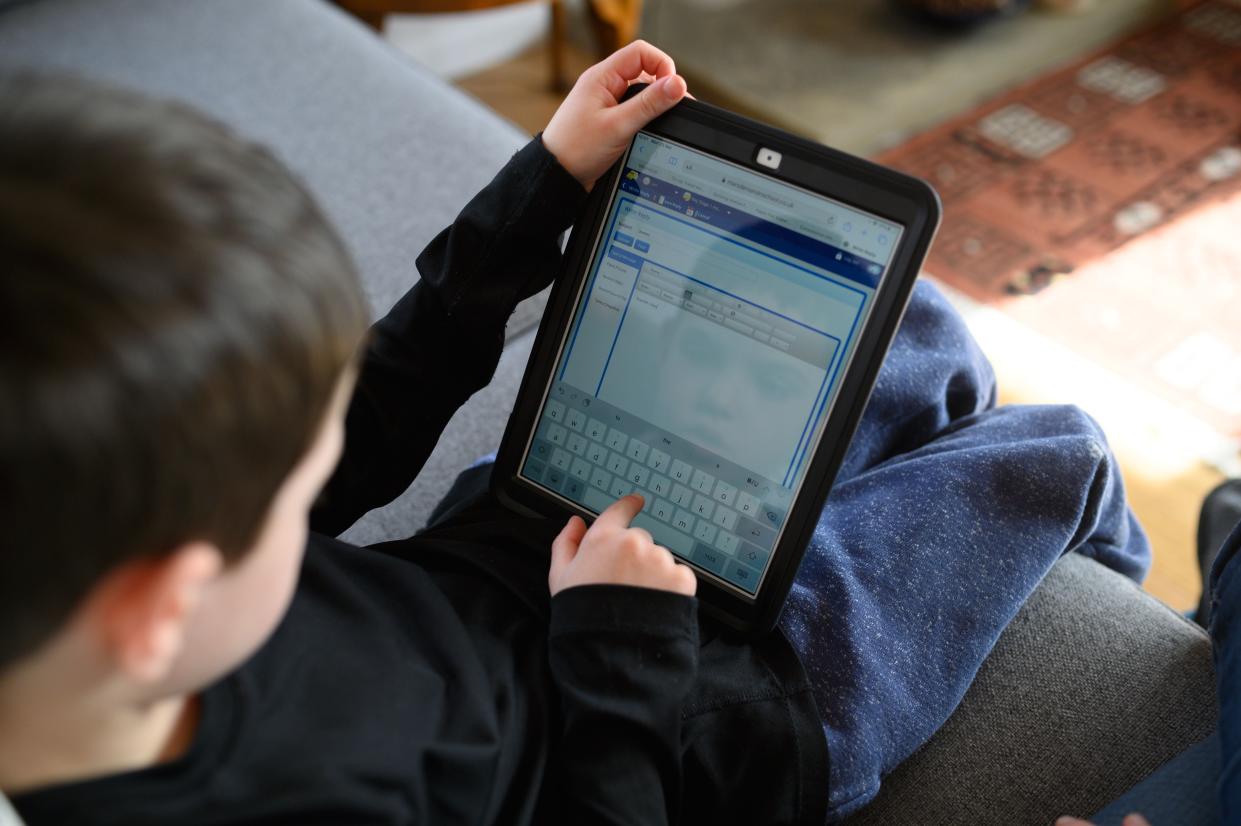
(1221,511)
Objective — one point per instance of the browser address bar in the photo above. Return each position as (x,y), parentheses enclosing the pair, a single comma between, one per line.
(713,190)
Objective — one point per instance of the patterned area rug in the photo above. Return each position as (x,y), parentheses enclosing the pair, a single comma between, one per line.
(1100,205)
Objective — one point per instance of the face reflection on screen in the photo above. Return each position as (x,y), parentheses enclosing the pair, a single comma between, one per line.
(721,397)
(727,392)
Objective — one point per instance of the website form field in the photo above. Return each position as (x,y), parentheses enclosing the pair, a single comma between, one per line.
(657,284)
(808,298)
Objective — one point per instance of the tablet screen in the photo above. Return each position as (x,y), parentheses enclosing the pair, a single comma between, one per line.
(706,350)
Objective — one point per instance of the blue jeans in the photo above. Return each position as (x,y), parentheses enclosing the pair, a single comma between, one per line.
(1180,792)
(946,514)
(1225,629)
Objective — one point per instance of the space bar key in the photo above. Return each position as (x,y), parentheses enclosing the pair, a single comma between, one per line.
(597,500)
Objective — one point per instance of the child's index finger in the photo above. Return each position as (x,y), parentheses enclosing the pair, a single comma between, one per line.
(620,513)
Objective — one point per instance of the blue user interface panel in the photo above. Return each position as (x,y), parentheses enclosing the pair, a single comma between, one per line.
(705,353)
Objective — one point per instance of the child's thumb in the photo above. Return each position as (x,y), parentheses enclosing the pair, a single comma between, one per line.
(650,103)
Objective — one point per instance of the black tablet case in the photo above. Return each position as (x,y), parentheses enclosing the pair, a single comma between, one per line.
(845,178)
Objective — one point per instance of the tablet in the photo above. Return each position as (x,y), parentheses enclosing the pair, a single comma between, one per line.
(727,298)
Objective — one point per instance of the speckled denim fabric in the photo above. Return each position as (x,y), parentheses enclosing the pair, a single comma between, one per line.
(945,516)
(1225,586)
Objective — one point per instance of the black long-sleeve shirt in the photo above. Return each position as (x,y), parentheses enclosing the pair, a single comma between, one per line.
(433,680)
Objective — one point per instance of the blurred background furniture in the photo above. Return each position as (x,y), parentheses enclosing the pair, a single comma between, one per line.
(615,22)
(861,76)
(1094,688)
(375,12)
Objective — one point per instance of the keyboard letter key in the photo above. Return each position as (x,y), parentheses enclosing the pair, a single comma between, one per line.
(725,518)
(747,504)
(601,479)
(596,430)
(660,485)
(724,493)
(680,471)
(618,464)
(616,439)
(658,461)
(703,482)
(678,543)
(637,450)
(703,507)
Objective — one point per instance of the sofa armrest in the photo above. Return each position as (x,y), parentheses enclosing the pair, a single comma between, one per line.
(1092,687)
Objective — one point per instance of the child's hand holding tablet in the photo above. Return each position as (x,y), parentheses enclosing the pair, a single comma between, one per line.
(595,123)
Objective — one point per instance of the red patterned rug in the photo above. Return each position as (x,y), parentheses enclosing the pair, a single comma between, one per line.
(1100,205)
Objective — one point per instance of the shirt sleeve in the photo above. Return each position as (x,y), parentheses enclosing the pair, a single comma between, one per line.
(441,342)
(624,660)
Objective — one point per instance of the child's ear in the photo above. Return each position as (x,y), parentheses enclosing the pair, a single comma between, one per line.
(143,608)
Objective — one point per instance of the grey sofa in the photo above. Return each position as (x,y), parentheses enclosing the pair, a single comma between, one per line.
(1093,689)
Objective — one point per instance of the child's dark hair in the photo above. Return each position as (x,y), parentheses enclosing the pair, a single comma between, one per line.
(175,313)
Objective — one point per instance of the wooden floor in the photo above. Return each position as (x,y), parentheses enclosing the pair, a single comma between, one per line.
(1167,507)
(520,89)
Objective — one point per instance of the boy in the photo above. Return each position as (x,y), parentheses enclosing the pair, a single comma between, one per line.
(180,324)
(177,335)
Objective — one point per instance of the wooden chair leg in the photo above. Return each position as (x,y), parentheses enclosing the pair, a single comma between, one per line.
(560,83)
(615,23)
(374,19)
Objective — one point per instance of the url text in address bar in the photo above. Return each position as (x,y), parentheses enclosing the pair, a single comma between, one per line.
(805,220)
